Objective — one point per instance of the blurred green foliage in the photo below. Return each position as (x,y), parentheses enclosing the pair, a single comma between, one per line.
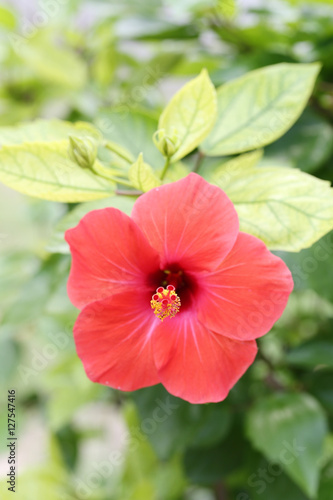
(113,63)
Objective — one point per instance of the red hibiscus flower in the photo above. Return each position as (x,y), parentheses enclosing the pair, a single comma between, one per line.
(174,294)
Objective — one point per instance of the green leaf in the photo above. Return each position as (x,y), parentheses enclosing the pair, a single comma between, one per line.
(226,8)
(33,295)
(145,477)
(49,480)
(173,428)
(170,480)
(178,424)
(307,145)
(133,130)
(57,243)
(294,2)
(190,114)
(213,426)
(142,175)
(45,131)
(269,482)
(65,401)
(7,18)
(319,383)
(210,465)
(9,357)
(259,107)
(286,208)
(312,354)
(44,170)
(56,64)
(313,267)
(290,429)
(44,482)
(326,483)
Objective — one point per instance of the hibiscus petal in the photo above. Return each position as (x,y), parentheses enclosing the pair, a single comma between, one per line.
(189,222)
(196,364)
(113,340)
(247,294)
(110,253)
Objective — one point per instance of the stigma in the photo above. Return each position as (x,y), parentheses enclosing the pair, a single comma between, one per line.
(165,302)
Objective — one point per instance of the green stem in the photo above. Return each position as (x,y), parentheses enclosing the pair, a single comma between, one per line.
(117,170)
(200,157)
(165,168)
(220,491)
(118,152)
(130,192)
(104,172)
(122,181)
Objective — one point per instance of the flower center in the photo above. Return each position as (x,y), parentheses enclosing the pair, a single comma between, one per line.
(175,278)
(165,302)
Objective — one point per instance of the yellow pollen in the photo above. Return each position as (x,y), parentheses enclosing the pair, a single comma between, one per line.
(165,302)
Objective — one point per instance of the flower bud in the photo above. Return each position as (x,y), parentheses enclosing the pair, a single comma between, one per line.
(166,144)
(82,151)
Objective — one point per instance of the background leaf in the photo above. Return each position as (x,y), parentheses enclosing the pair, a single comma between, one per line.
(52,61)
(312,268)
(326,484)
(181,424)
(132,129)
(259,107)
(290,429)
(312,354)
(307,145)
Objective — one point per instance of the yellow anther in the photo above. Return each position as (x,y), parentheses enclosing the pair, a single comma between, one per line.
(165,302)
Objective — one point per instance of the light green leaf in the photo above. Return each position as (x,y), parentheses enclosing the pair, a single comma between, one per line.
(45,131)
(191,114)
(226,8)
(49,480)
(145,477)
(57,244)
(142,175)
(259,107)
(141,460)
(290,429)
(7,18)
(58,65)
(44,482)
(226,172)
(286,208)
(65,401)
(44,170)
(295,2)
